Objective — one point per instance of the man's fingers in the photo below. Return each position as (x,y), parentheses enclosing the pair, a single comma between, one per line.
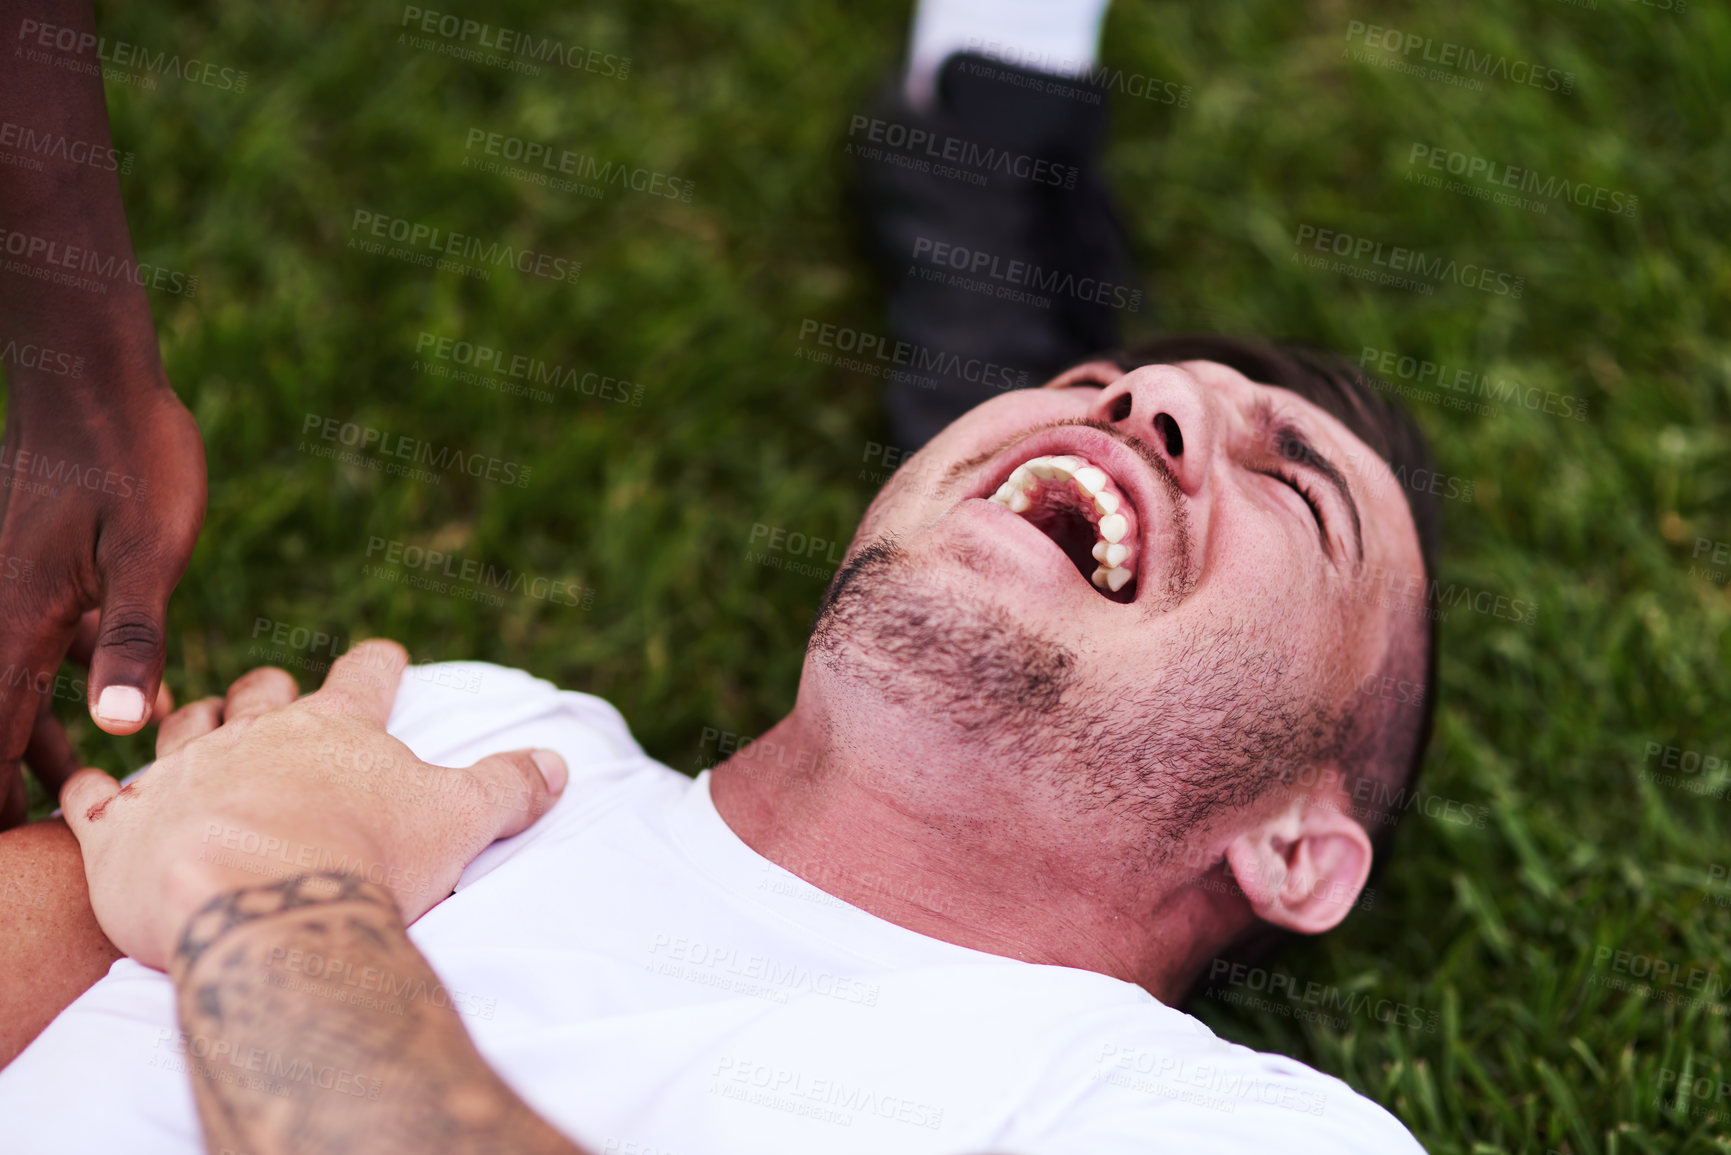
(519,786)
(31,644)
(14,802)
(364,681)
(84,800)
(189,723)
(84,638)
(126,666)
(83,647)
(259,691)
(30,651)
(50,754)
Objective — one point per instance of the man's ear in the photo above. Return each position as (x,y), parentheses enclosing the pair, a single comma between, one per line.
(1303,867)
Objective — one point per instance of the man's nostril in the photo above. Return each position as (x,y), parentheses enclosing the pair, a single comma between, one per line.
(1121,407)
(1168,429)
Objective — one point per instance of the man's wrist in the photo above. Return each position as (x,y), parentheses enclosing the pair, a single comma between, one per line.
(98,364)
(229,910)
(57,344)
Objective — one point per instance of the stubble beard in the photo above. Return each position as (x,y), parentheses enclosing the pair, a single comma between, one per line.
(1154,758)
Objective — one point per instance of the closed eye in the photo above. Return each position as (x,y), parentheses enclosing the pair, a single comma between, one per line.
(1299,488)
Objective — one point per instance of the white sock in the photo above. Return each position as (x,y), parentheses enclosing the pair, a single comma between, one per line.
(1061,37)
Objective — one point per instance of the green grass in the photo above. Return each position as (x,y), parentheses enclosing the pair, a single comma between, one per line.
(1487,934)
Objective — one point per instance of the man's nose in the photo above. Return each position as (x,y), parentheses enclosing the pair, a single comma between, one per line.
(1167,408)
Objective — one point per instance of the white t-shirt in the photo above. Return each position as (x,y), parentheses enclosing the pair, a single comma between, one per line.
(653,986)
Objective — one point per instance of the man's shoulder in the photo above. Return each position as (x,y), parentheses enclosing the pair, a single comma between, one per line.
(455,713)
(1105,1067)
(1160,1070)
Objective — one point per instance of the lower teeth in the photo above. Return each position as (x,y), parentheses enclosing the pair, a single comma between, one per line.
(1112,579)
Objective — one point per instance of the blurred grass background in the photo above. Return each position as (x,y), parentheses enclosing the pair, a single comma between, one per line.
(1491,931)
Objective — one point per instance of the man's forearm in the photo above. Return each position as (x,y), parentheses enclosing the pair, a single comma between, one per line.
(283,1058)
(51,948)
(67,208)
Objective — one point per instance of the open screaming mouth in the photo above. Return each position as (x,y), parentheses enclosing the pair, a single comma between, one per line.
(1076,504)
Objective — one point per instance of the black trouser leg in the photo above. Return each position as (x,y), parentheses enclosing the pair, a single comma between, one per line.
(989,219)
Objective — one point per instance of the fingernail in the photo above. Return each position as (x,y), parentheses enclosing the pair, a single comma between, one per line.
(552,768)
(121,704)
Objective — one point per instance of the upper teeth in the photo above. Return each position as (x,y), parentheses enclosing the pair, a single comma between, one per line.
(1113,551)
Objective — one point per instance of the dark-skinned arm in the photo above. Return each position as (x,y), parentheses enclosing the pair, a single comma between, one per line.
(102,479)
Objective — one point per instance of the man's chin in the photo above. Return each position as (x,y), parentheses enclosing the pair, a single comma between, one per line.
(874,558)
(919,640)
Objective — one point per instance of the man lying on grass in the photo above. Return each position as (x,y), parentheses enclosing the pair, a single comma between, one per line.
(1087,704)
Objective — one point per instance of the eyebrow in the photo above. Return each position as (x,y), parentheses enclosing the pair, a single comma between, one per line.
(1287,439)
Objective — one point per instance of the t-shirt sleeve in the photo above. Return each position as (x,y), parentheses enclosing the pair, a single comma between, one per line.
(1210,1097)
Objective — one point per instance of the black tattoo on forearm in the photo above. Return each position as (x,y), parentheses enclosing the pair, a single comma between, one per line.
(288,1065)
(238,907)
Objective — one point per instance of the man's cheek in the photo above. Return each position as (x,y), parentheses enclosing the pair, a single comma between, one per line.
(881,516)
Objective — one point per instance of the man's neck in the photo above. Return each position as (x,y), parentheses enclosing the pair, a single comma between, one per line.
(922,846)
